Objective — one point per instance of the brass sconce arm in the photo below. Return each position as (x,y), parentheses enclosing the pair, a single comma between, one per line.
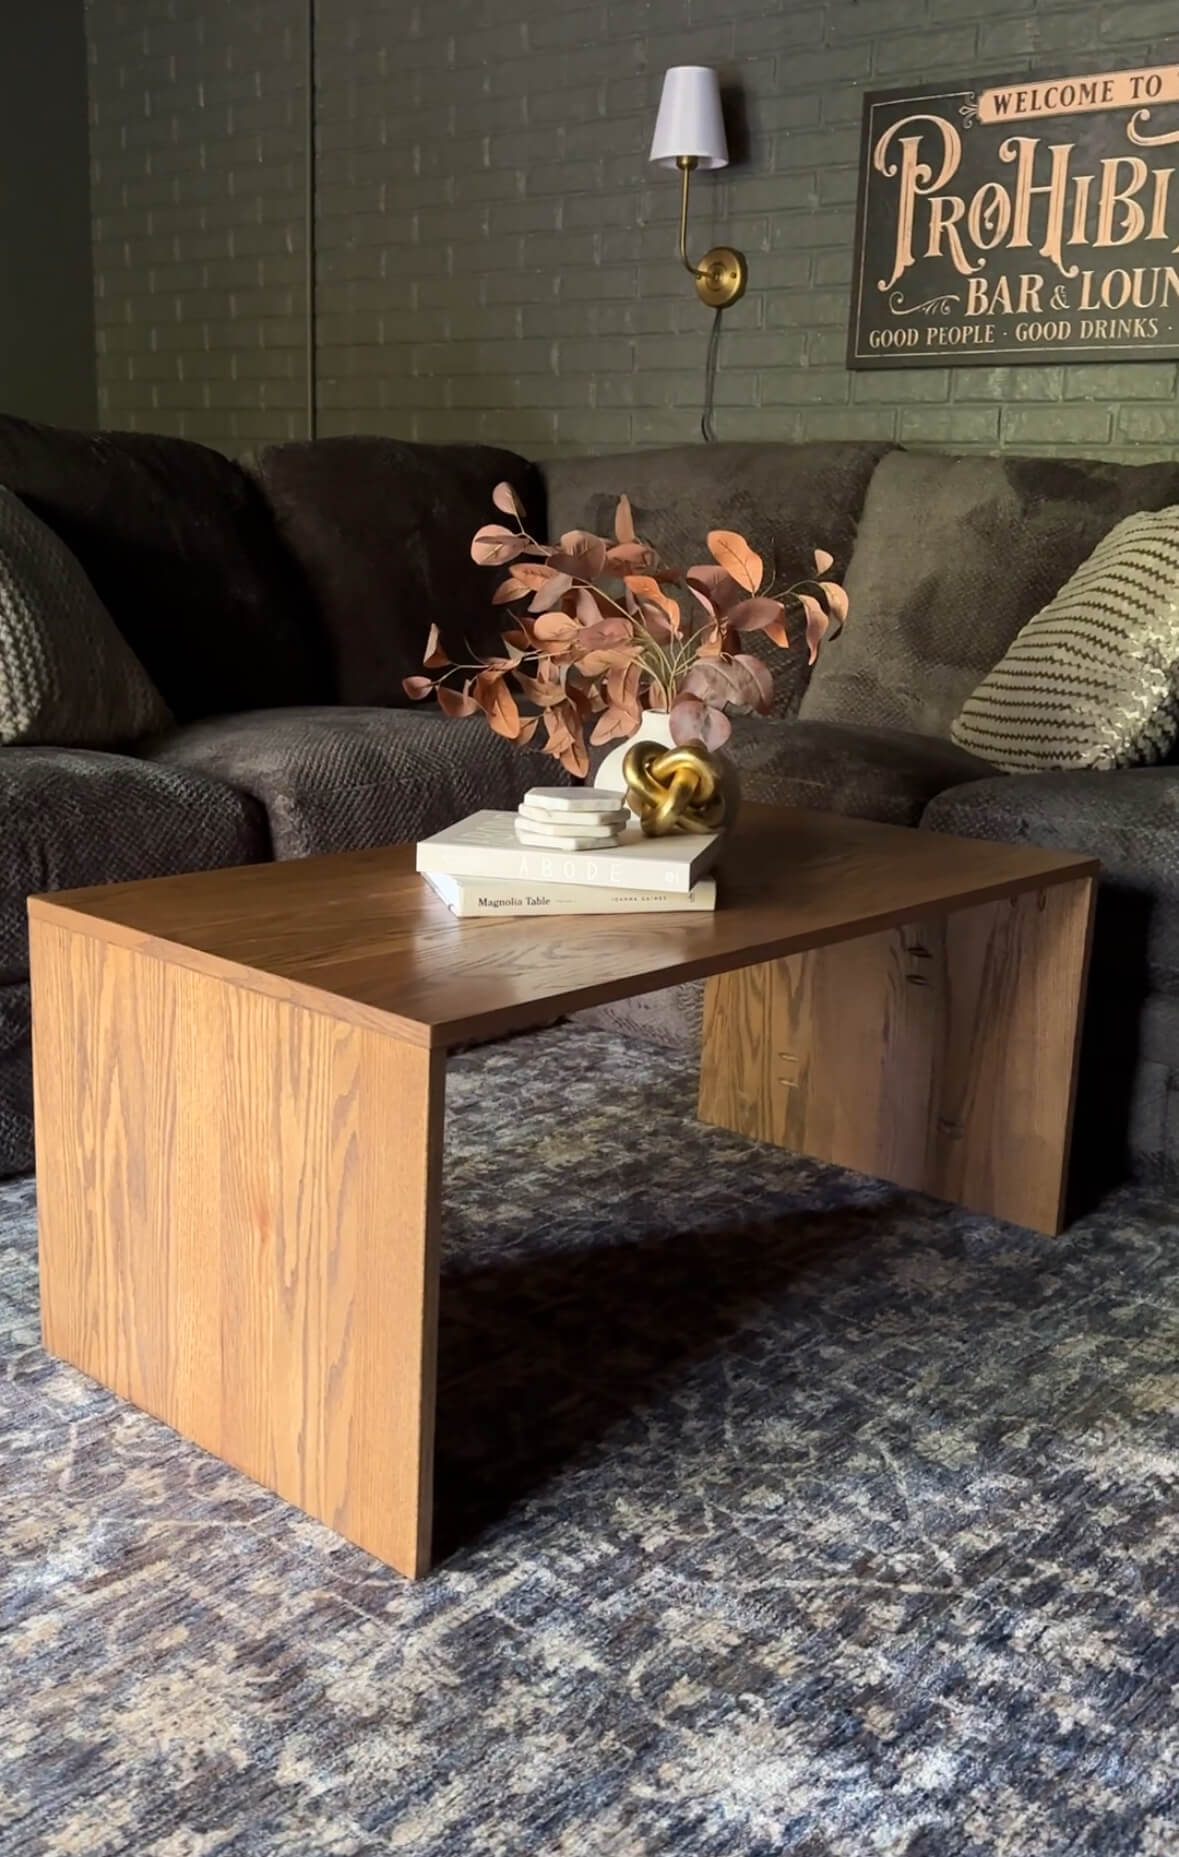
(722,273)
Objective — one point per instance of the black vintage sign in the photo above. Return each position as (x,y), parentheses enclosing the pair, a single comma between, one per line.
(1022,221)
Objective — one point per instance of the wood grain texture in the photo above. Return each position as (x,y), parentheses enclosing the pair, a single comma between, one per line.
(360,935)
(942,1055)
(238,1205)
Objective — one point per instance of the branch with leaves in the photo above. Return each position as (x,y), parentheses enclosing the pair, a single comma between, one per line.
(600,628)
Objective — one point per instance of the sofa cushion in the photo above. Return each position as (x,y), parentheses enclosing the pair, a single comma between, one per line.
(74,816)
(882,774)
(1093,679)
(869,773)
(785,499)
(954,555)
(182,551)
(16,1081)
(1130,821)
(383,532)
(67,675)
(342,779)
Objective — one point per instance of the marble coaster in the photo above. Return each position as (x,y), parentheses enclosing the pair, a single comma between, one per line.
(572,799)
(562,841)
(597,825)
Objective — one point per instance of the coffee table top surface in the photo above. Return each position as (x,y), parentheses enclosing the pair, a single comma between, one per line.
(364,930)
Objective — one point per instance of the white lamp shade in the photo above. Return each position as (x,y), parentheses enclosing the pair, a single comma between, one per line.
(690,120)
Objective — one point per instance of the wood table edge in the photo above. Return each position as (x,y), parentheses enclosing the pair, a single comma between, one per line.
(515,1016)
(319,1000)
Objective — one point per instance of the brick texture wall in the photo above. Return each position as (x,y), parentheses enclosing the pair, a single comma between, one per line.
(197,114)
(496,257)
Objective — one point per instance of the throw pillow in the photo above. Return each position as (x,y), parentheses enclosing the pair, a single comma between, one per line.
(1093,679)
(67,676)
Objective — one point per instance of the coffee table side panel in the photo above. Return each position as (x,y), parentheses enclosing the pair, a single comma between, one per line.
(239,1226)
(941,1055)
(1008,1047)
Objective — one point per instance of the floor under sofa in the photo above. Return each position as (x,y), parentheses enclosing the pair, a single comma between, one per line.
(781,1512)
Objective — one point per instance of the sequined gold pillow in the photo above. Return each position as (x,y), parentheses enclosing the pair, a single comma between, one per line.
(1093,679)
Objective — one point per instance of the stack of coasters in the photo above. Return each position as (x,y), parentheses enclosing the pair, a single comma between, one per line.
(571,818)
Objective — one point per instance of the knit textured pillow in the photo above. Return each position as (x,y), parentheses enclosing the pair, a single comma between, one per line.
(1093,679)
(67,676)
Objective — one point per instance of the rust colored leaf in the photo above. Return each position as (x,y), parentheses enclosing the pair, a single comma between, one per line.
(455,702)
(510,589)
(533,690)
(622,688)
(755,615)
(533,574)
(836,601)
(581,554)
(556,724)
(624,522)
(816,624)
(631,558)
(417,687)
(756,683)
(612,725)
(528,728)
(435,658)
(556,628)
(650,595)
(823,560)
(551,593)
(655,621)
(695,721)
(719,585)
(566,739)
(575,760)
(493,545)
(497,703)
(710,680)
(732,552)
(612,630)
(505,498)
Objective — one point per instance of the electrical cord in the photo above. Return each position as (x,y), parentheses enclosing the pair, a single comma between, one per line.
(710,360)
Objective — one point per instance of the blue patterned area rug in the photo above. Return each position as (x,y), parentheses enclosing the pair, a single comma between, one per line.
(784,1513)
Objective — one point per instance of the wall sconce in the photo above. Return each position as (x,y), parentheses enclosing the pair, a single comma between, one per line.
(690,133)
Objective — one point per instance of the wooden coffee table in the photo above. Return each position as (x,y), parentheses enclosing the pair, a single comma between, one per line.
(240,1083)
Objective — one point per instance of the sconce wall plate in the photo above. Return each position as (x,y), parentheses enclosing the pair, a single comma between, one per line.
(721,276)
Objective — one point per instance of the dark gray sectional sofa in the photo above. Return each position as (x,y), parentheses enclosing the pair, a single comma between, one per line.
(277,607)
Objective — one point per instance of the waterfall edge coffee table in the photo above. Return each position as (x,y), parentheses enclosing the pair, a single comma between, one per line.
(239,1092)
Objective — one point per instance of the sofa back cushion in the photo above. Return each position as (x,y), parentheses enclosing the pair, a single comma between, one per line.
(954,556)
(786,500)
(67,675)
(182,551)
(382,530)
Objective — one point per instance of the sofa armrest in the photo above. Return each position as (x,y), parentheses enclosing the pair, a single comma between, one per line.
(76,816)
(1129,820)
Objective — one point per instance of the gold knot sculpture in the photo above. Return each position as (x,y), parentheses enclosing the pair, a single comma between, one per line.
(674,789)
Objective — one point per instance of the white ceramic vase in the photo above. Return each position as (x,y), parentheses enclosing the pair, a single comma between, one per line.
(655,727)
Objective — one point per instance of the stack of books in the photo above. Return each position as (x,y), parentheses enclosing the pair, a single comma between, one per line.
(490,865)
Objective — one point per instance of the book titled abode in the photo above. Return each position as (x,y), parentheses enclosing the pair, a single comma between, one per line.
(485,845)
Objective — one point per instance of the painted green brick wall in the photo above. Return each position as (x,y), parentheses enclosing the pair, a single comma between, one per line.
(46,281)
(496,258)
(197,140)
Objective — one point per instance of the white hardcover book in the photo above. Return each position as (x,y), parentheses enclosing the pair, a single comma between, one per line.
(485,845)
(502,896)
